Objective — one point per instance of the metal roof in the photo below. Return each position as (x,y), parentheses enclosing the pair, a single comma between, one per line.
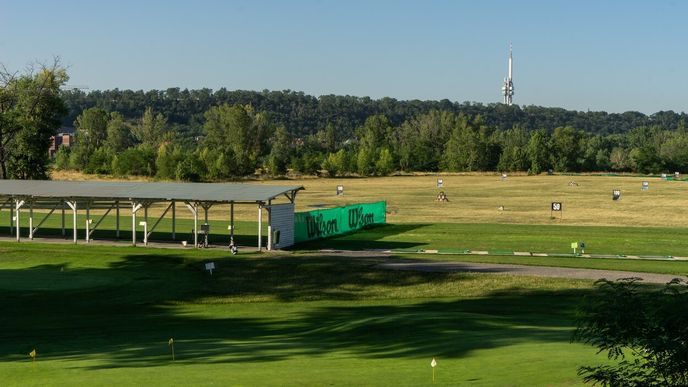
(202,192)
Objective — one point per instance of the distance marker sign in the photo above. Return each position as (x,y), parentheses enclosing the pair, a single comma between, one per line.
(556,206)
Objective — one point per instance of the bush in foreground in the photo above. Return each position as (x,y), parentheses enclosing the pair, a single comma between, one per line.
(644,331)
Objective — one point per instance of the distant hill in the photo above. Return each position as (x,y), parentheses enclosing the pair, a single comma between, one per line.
(304,114)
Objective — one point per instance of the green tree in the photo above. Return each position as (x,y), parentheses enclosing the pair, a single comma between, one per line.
(375,132)
(91,128)
(280,152)
(538,152)
(643,330)
(31,110)
(152,129)
(514,155)
(239,132)
(385,162)
(119,136)
(566,149)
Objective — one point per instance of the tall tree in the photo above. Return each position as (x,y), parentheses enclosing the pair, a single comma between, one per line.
(31,111)
(238,132)
(151,129)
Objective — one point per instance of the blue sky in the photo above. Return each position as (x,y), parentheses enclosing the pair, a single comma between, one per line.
(584,55)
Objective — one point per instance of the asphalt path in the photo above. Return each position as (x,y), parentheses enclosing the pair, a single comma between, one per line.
(538,271)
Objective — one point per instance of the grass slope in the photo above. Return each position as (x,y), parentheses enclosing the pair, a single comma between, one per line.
(103,316)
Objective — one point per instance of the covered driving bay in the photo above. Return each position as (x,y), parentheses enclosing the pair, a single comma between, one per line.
(22,197)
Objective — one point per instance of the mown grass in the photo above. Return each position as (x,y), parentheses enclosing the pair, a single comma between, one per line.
(524,238)
(475,198)
(103,316)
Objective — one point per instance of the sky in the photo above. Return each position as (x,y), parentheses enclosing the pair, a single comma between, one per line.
(612,56)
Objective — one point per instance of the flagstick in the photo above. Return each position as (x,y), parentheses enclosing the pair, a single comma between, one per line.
(172,351)
(433,374)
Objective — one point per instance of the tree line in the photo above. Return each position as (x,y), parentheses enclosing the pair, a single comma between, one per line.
(239,140)
(303,114)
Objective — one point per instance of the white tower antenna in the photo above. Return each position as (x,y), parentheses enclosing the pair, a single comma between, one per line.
(508,87)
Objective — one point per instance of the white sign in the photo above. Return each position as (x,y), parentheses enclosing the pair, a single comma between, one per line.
(646,185)
(556,206)
(340,190)
(616,194)
(433,363)
(210,266)
(440,183)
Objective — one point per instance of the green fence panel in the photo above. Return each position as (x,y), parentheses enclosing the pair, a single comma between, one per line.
(318,224)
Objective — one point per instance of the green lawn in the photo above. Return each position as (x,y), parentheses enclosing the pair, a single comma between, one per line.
(104,315)
(515,237)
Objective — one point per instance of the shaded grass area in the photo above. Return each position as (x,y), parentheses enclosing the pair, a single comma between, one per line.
(103,316)
(514,237)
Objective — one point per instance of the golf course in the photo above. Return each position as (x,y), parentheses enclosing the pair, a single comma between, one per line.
(329,312)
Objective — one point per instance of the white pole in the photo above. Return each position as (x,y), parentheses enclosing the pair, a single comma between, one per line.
(31,221)
(133,223)
(231,222)
(64,232)
(174,216)
(117,219)
(260,227)
(269,225)
(195,212)
(17,207)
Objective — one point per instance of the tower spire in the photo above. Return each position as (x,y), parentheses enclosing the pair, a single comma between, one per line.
(508,87)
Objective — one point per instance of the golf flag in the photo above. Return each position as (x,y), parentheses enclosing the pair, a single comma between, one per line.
(33,354)
(171,342)
(433,364)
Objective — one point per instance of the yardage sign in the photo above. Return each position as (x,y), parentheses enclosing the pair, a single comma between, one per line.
(440,183)
(340,190)
(556,206)
(646,185)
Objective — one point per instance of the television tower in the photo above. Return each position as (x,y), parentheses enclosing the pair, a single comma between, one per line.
(508,87)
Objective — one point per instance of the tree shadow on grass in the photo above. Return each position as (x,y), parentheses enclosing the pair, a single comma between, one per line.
(369,238)
(124,315)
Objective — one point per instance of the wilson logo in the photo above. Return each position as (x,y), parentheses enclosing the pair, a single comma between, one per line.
(316,226)
(357,219)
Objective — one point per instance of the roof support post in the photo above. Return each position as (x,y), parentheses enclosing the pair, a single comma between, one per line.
(269,208)
(174,220)
(88,222)
(260,226)
(17,206)
(64,232)
(193,207)
(31,220)
(11,220)
(72,205)
(117,219)
(231,223)
(134,207)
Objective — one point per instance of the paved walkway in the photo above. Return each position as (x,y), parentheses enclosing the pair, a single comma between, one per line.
(539,271)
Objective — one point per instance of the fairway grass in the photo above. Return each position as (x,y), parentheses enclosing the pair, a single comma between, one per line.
(104,315)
